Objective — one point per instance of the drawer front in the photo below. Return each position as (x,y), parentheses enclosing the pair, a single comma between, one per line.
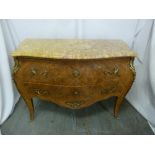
(71,97)
(73,73)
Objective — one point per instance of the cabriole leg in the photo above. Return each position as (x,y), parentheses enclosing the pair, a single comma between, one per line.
(118,103)
(30,106)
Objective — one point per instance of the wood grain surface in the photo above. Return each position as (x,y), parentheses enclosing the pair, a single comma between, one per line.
(72,83)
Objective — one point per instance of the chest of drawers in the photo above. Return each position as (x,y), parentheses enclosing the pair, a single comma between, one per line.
(73,73)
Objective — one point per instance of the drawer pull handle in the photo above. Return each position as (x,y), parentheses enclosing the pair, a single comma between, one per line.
(76,73)
(40,92)
(33,71)
(42,73)
(114,71)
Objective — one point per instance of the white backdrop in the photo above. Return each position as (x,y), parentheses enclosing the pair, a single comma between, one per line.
(139,34)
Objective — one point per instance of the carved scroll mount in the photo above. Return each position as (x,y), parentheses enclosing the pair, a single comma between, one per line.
(74,104)
(16,66)
(132,68)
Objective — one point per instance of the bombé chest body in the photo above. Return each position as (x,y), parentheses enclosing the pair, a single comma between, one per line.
(73,73)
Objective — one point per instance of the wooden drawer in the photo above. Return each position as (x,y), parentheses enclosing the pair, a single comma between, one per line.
(72,97)
(72,73)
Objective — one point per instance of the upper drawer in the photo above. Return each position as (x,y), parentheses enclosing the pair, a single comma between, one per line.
(72,72)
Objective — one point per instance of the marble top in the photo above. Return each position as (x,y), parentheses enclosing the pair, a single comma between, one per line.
(73,49)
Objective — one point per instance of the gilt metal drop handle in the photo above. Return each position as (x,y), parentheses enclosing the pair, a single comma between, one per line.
(114,71)
(42,73)
(33,71)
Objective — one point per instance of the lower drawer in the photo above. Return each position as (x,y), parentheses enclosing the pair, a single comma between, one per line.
(72,97)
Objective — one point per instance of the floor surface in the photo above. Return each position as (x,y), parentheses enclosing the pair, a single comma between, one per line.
(97,119)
